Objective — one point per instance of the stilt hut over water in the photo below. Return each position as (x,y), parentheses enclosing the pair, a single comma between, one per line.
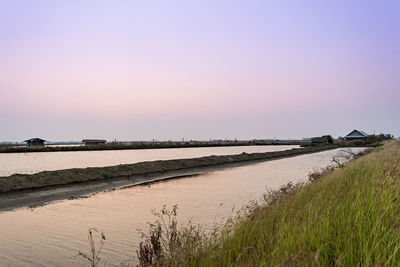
(35,142)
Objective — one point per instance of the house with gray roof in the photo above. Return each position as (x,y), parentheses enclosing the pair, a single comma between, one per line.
(356,135)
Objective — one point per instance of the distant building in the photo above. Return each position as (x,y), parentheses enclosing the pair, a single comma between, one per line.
(89,142)
(34,142)
(319,140)
(315,140)
(356,135)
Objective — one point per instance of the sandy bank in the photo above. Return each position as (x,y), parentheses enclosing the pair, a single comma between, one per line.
(62,177)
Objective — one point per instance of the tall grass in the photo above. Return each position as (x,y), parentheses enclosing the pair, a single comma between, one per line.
(349,216)
(93,257)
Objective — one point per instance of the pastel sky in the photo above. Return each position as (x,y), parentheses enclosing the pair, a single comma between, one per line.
(137,70)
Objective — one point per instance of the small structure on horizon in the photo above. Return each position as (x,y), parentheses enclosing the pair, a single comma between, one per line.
(319,140)
(35,142)
(315,140)
(356,135)
(89,142)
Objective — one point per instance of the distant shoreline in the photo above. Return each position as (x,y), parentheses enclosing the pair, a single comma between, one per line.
(142,145)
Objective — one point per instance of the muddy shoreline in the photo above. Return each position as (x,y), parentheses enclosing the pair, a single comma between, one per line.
(17,182)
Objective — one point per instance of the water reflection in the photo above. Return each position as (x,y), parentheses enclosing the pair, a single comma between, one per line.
(29,163)
(53,234)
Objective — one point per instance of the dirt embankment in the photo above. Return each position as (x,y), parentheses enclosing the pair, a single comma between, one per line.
(61,177)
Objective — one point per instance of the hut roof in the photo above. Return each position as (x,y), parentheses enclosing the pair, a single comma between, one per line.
(35,139)
(356,133)
(93,141)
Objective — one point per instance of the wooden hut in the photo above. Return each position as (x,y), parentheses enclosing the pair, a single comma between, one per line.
(35,142)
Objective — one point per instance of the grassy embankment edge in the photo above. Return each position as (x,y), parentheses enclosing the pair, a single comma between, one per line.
(349,216)
(79,175)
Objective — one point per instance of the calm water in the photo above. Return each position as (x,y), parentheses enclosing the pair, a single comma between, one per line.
(52,235)
(29,163)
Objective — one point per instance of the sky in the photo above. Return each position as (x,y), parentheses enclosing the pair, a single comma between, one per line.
(138,70)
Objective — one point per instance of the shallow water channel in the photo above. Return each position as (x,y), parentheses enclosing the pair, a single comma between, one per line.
(53,234)
(33,162)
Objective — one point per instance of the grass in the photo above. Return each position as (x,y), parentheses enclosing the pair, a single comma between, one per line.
(349,216)
(93,257)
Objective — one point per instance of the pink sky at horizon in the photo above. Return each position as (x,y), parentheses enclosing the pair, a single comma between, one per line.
(245,70)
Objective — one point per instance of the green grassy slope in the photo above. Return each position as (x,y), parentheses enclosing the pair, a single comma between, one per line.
(349,217)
